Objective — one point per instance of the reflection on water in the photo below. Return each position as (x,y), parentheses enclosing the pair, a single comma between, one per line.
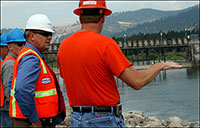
(173,93)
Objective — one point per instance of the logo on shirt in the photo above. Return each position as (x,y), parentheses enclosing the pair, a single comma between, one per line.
(46,80)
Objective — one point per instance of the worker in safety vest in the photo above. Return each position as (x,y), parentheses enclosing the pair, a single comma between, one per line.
(3,46)
(36,99)
(15,41)
(89,66)
(4,52)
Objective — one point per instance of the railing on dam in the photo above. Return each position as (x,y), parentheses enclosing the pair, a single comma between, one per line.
(143,50)
(139,52)
(174,42)
(137,44)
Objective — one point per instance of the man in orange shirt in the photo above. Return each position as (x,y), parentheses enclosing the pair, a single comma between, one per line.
(89,61)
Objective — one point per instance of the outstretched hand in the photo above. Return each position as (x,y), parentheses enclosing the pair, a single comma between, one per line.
(170,65)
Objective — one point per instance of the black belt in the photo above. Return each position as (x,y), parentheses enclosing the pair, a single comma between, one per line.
(95,109)
(116,109)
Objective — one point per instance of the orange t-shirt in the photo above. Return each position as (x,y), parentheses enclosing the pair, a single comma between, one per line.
(88,62)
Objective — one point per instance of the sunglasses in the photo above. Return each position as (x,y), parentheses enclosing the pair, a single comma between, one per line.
(20,44)
(43,33)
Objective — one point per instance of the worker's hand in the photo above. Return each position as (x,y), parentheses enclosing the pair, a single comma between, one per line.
(170,65)
(37,124)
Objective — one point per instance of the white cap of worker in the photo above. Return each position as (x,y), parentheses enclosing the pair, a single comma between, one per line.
(39,22)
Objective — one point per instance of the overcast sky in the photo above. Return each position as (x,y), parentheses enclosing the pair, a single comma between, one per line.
(16,13)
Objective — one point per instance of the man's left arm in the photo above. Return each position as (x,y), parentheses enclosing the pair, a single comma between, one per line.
(28,73)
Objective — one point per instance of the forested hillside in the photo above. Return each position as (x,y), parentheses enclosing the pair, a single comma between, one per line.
(186,20)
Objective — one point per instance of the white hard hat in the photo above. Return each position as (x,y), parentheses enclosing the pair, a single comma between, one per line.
(39,22)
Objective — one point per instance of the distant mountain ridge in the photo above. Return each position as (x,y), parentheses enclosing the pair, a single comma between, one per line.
(132,22)
(145,21)
(114,23)
(4,30)
(184,20)
(61,32)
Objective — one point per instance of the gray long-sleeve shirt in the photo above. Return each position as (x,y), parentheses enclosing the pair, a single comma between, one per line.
(7,70)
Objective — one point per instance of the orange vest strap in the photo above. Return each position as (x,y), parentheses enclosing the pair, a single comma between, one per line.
(9,58)
(2,94)
(1,86)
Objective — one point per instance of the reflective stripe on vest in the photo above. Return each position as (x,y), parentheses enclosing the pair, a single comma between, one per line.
(13,100)
(45,93)
(38,94)
(43,66)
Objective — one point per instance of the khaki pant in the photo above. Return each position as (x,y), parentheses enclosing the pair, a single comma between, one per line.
(24,123)
(20,123)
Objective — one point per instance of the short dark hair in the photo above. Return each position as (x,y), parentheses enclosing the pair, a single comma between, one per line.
(27,34)
(91,15)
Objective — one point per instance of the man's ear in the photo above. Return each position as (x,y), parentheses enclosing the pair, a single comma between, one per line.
(31,36)
(103,19)
(10,47)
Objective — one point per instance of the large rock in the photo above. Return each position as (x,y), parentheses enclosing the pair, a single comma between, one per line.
(195,125)
(174,122)
(185,123)
(130,122)
(134,118)
(140,113)
(153,122)
(139,120)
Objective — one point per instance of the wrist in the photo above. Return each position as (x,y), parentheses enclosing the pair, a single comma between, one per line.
(160,66)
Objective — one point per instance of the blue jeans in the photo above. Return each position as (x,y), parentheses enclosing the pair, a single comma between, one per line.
(96,119)
(5,119)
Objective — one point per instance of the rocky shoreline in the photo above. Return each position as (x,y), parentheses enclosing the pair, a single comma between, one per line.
(137,119)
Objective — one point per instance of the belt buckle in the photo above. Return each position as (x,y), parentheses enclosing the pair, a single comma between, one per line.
(118,111)
(51,121)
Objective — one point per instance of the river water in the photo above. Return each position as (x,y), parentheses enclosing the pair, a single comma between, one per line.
(173,93)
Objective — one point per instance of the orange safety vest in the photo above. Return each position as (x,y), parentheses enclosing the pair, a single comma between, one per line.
(8,58)
(1,90)
(46,97)
(2,94)
(1,84)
